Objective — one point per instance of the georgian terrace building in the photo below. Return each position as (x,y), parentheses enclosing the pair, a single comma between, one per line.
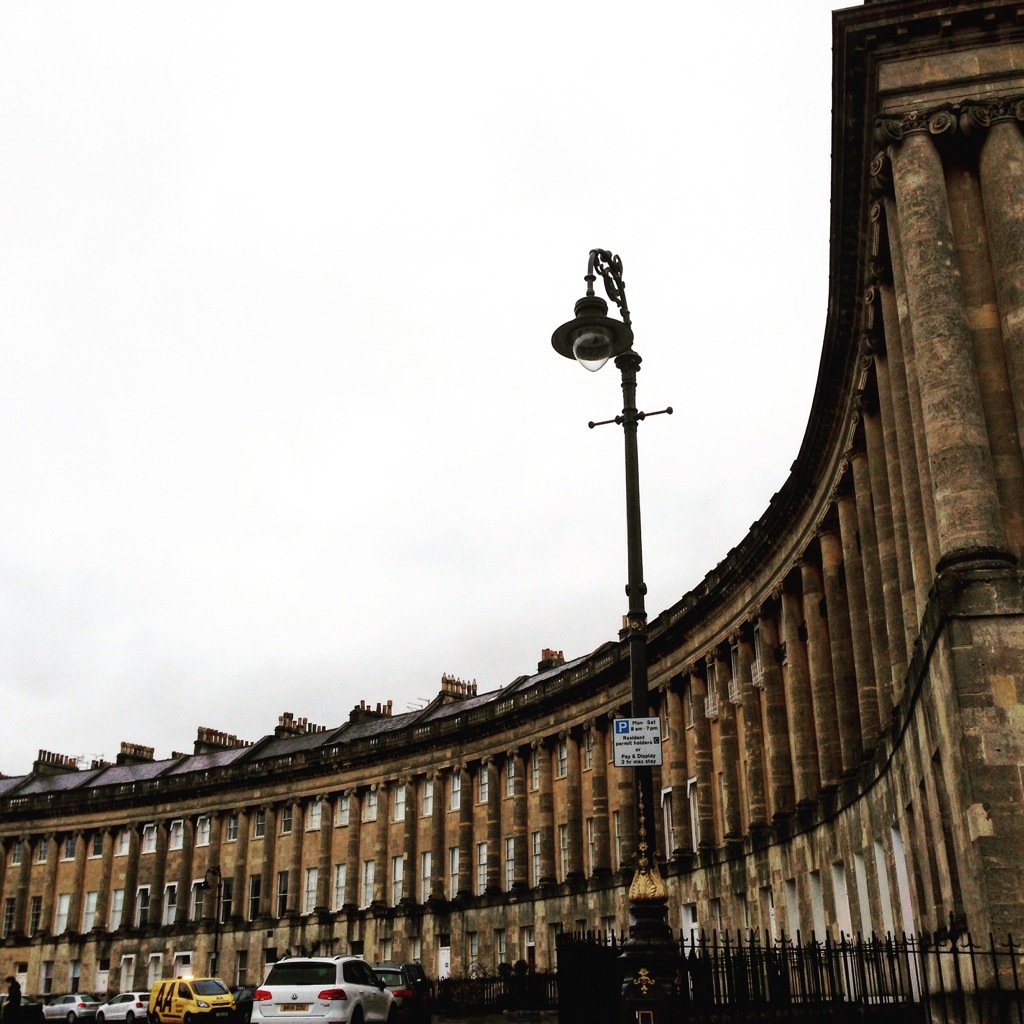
(841,697)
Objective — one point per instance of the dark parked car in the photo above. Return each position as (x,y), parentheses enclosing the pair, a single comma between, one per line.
(411,989)
(243,1004)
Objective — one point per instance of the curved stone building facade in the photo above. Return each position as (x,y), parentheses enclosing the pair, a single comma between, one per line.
(841,697)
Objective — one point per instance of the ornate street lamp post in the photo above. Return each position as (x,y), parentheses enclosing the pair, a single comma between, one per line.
(592,338)
(215,872)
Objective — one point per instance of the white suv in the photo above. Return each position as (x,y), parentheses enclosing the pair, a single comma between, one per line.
(322,990)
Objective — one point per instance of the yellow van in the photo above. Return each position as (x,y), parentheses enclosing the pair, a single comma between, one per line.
(188,1000)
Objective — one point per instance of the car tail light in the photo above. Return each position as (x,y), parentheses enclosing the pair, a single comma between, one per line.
(402,993)
(260,994)
(332,993)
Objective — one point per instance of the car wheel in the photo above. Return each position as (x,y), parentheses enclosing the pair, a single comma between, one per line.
(357,1016)
(99,1017)
(71,1017)
(188,1018)
(129,1017)
(393,1015)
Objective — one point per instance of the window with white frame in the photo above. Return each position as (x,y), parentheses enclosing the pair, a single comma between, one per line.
(510,776)
(127,972)
(60,913)
(286,819)
(343,808)
(501,945)
(68,850)
(35,914)
(8,925)
(453,871)
(314,815)
(309,896)
(481,868)
(74,975)
(148,844)
(473,950)
(259,824)
(691,801)
(17,846)
(281,905)
(591,846)
(370,806)
(510,861)
(534,859)
(231,828)
(142,906)
(534,769)
(116,910)
(483,784)
(227,894)
(203,830)
(667,822)
(255,895)
(369,869)
(397,879)
(562,768)
(455,791)
(398,812)
(46,978)
(176,835)
(170,902)
(42,851)
(198,899)
(428,798)
(154,969)
(340,879)
(426,865)
(123,843)
(563,851)
(588,749)
(96,845)
(241,967)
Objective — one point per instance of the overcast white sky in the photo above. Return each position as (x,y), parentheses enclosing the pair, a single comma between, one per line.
(281,427)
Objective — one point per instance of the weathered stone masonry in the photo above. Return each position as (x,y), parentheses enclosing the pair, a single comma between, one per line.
(841,696)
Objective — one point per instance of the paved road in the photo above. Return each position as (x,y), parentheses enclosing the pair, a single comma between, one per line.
(521,1017)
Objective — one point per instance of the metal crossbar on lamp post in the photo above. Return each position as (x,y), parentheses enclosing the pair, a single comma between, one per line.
(592,338)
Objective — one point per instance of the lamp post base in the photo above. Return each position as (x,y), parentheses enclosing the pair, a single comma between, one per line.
(651,966)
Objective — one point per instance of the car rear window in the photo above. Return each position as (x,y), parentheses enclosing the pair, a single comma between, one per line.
(389,977)
(209,987)
(301,974)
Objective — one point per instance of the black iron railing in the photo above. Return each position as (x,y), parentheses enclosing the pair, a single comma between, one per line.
(746,977)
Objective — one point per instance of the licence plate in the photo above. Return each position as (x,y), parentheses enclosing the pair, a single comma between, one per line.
(294,1007)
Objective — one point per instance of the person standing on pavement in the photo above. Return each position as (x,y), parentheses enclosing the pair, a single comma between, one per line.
(12,1011)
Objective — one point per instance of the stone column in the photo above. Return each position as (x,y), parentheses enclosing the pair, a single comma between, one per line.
(268,883)
(494,851)
(678,772)
(1001,169)
(106,869)
(863,658)
(819,666)
(776,719)
(729,746)
(78,889)
(753,735)
(239,877)
(546,817)
(841,645)
(521,759)
(574,805)
(184,880)
(382,870)
(21,900)
(800,709)
(465,832)
(966,507)
(159,873)
(352,860)
(704,767)
(439,848)
(131,876)
(410,846)
(294,903)
(874,597)
(49,883)
(599,801)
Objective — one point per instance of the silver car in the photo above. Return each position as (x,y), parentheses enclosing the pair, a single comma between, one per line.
(72,1007)
(126,1006)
